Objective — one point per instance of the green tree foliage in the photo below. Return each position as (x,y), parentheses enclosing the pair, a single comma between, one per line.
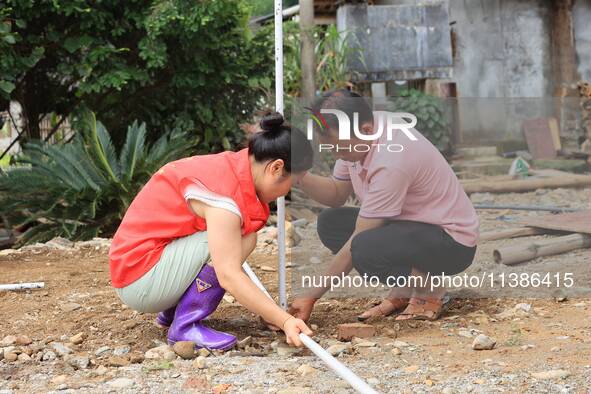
(172,63)
(82,189)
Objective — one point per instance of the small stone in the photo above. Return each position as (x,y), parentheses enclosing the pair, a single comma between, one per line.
(244,342)
(552,374)
(161,352)
(185,349)
(117,361)
(136,358)
(79,362)
(59,379)
(101,370)
(8,340)
(60,348)
(121,350)
(62,387)
(101,351)
(23,340)
(396,351)
(483,342)
(314,327)
(398,343)
(347,331)
(78,338)
(10,356)
(448,390)
(284,350)
(200,362)
(364,344)
(465,333)
(24,357)
(70,307)
(48,356)
(203,352)
(130,325)
(555,349)
(266,268)
(121,383)
(306,370)
(411,369)
(339,348)
(315,260)
(523,307)
(229,299)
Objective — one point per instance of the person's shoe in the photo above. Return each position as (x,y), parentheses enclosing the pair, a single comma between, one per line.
(164,318)
(199,301)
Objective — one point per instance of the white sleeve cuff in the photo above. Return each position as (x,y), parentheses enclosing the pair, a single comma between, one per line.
(201,193)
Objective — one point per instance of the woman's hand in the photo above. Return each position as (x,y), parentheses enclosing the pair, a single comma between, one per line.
(302,308)
(292,328)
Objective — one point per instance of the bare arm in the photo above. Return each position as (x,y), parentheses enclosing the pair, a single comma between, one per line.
(326,190)
(341,263)
(225,247)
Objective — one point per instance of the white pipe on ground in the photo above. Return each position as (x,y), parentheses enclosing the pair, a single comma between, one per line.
(339,368)
(279,108)
(22,286)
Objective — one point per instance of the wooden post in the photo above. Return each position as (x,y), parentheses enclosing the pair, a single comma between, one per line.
(548,247)
(563,53)
(307,49)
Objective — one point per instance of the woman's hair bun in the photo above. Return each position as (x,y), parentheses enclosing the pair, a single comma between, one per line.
(271,121)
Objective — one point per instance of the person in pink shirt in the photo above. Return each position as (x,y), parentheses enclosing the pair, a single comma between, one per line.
(414,220)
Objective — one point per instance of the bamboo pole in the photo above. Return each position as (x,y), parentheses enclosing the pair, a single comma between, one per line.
(511,233)
(524,252)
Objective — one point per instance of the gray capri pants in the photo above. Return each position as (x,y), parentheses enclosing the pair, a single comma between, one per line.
(162,287)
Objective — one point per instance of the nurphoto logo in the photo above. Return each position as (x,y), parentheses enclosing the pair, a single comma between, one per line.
(386,121)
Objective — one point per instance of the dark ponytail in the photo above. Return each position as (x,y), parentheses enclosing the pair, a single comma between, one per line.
(278,140)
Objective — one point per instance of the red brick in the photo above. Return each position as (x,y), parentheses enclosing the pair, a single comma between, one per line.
(349,330)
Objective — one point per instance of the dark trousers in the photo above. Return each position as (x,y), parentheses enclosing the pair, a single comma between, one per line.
(395,248)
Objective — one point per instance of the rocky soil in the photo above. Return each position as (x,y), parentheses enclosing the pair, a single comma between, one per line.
(76,336)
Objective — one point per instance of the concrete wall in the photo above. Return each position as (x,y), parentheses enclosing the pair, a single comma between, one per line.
(582,27)
(502,58)
(502,63)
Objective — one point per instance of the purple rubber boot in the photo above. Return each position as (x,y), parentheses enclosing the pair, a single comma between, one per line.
(199,301)
(165,318)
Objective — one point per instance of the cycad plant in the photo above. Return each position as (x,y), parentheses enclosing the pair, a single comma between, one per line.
(80,190)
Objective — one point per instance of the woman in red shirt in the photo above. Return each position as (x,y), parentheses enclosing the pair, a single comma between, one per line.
(184,238)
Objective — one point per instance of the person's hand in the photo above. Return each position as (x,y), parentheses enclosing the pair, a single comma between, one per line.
(292,328)
(301,308)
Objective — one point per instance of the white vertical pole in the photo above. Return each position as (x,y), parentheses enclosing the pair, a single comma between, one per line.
(279,108)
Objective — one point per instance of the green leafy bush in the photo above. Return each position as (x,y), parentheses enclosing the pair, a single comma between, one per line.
(431,115)
(189,64)
(82,189)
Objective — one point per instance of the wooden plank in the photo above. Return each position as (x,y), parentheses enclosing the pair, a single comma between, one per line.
(510,233)
(575,222)
(539,138)
(555,131)
(486,185)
